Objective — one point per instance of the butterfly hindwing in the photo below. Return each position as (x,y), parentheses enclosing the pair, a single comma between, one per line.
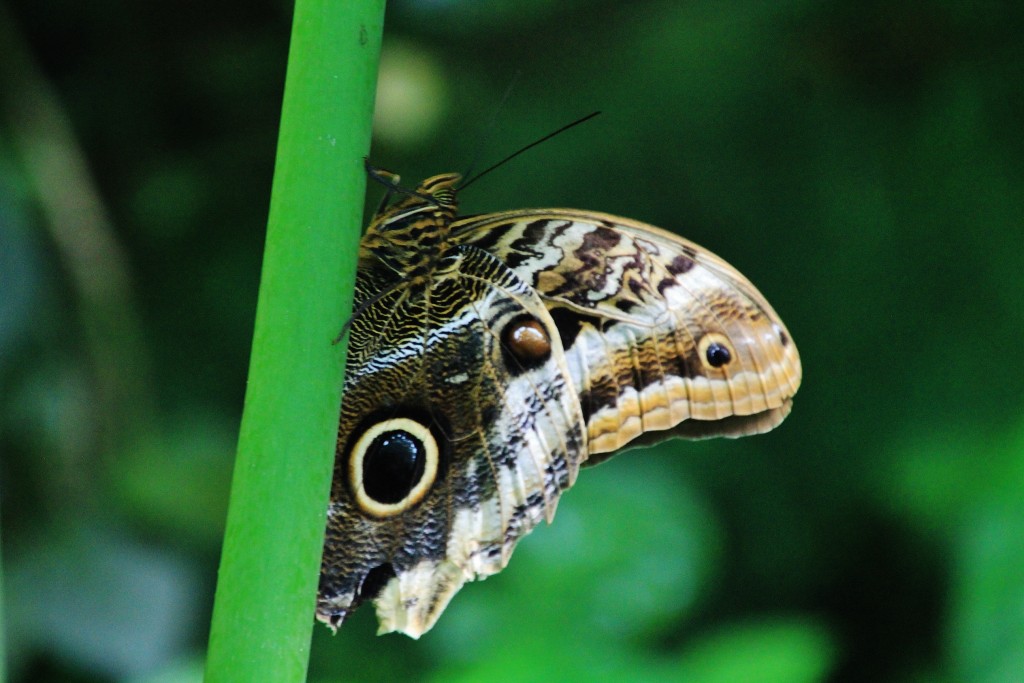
(444,361)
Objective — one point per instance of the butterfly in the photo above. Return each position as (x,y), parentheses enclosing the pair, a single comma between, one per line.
(490,357)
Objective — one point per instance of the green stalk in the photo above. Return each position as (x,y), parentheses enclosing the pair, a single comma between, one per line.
(263,612)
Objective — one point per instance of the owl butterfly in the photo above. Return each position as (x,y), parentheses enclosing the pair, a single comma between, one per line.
(492,356)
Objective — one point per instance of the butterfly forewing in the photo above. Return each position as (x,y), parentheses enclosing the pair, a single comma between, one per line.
(659,333)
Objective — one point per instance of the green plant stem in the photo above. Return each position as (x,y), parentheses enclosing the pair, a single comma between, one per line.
(263,612)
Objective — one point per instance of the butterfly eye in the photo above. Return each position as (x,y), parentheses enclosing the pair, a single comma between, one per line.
(525,339)
(392,466)
(715,350)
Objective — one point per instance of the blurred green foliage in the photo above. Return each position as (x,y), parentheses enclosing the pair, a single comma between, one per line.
(860,162)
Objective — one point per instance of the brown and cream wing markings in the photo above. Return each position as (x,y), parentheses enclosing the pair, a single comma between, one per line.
(492,356)
(505,437)
(659,333)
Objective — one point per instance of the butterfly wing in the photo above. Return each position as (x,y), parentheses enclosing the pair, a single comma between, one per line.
(491,357)
(662,337)
(460,427)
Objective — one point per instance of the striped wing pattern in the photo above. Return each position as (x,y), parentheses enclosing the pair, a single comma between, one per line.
(634,303)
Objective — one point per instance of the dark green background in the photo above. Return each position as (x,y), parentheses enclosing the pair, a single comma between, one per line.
(862,163)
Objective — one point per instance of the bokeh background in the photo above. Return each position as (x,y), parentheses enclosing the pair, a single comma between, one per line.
(861,162)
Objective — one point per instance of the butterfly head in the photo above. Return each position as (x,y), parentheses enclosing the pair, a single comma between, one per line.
(440,190)
(408,235)
(437,195)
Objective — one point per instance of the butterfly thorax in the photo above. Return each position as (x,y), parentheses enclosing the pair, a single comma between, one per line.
(410,236)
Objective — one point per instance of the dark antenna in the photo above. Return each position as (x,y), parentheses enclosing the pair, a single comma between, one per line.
(533,144)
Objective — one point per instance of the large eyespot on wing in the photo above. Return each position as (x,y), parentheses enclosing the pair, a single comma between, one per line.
(660,334)
(394,456)
(392,465)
